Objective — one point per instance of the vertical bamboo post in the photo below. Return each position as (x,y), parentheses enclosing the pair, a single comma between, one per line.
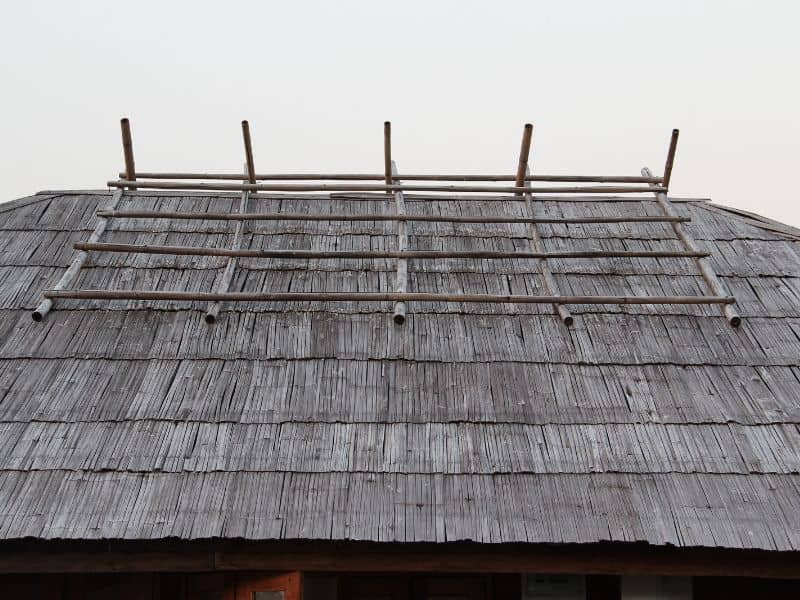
(387,152)
(127,149)
(401,283)
(673,146)
(248,152)
(524,153)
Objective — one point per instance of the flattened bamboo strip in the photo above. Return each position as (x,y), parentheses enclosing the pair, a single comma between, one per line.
(219,216)
(549,281)
(706,271)
(197,251)
(413,177)
(402,263)
(376,297)
(332,187)
(71,273)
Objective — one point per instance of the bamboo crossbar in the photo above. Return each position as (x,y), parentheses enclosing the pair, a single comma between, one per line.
(219,216)
(412,177)
(376,297)
(360,187)
(408,254)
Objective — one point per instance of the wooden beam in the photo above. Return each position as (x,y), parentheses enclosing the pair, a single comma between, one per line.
(221,216)
(356,187)
(411,177)
(127,149)
(714,285)
(524,152)
(387,152)
(610,558)
(374,297)
(437,254)
(673,146)
(248,152)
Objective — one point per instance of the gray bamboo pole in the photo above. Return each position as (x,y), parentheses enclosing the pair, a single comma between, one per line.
(198,251)
(412,177)
(230,266)
(375,297)
(127,150)
(703,265)
(387,152)
(673,146)
(549,280)
(218,216)
(248,152)
(402,263)
(357,187)
(78,261)
(524,152)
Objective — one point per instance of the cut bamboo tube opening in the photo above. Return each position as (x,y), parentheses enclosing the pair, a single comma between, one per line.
(412,177)
(401,283)
(324,254)
(524,153)
(127,149)
(218,216)
(673,146)
(376,297)
(78,261)
(387,152)
(454,189)
(248,151)
(703,265)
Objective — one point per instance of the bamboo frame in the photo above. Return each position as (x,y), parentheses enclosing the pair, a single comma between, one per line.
(411,177)
(375,254)
(219,216)
(703,265)
(360,187)
(376,297)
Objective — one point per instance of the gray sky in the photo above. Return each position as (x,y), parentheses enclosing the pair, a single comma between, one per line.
(603,83)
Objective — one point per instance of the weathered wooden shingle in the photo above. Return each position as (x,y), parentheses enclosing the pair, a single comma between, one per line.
(493,423)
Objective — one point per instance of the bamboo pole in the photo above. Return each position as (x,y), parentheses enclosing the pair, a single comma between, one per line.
(412,177)
(401,283)
(127,149)
(220,216)
(248,151)
(78,261)
(549,280)
(387,152)
(375,297)
(325,254)
(230,266)
(703,265)
(673,146)
(524,152)
(271,187)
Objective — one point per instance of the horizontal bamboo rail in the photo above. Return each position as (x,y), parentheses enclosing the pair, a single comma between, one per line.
(376,297)
(324,254)
(219,216)
(360,187)
(414,177)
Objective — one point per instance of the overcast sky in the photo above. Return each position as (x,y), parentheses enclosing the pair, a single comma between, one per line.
(603,82)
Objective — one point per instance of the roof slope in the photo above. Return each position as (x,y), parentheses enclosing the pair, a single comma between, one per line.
(493,423)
